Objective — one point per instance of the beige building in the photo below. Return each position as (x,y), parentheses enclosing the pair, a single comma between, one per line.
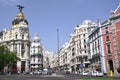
(78,41)
(49,59)
(73,55)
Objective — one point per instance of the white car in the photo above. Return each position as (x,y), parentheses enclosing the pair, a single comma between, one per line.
(85,73)
(31,73)
(97,73)
(37,72)
(44,72)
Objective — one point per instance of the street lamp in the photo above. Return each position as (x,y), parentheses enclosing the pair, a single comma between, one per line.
(58,49)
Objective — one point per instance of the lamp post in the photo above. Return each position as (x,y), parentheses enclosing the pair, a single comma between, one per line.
(58,49)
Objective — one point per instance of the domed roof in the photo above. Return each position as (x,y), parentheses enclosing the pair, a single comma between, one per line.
(19,18)
(36,37)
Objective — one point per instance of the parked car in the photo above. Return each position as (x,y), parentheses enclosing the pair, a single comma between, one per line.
(36,72)
(85,73)
(67,72)
(47,72)
(97,73)
(31,73)
(44,72)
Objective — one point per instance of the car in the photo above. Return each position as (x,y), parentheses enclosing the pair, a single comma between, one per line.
(67,72)
(44,72)
(31,73)
(37,72)
(97,73)
(85,73)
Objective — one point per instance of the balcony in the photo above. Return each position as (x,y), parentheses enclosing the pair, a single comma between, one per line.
(80,55)
(35,54)
(96,55)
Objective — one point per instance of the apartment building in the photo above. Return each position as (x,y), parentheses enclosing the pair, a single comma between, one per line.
(36,54)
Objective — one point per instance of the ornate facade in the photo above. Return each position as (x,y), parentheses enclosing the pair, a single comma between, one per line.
(111,41)
(78,46)
(95,48)
(18,40)
(36,54)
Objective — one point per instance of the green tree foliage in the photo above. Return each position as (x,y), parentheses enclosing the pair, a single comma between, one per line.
(118,69)
(6,56)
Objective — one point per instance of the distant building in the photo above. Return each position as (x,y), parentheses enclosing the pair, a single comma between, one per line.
(36,54)
(48,59)
(65,57)
(18,40)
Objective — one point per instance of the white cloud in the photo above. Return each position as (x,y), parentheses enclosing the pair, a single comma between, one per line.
(9,2)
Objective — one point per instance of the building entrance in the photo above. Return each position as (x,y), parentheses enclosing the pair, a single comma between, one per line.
(110,62)
(22,66)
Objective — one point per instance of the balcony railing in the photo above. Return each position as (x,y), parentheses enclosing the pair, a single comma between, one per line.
(96,55)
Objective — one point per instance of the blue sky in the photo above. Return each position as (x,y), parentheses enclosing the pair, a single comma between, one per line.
(45,16)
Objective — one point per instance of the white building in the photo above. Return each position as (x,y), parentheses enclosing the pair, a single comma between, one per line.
(18,40)
(78,45)
(36,54)
(73,55)
(48,59)
(95,48)
(64,57)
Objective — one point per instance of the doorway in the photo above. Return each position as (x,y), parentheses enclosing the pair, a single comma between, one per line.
(110,62)
(22,66)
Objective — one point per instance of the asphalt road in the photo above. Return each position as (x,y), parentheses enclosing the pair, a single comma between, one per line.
(54,77)
(33,77)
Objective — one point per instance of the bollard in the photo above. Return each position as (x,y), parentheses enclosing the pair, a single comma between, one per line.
(111,74)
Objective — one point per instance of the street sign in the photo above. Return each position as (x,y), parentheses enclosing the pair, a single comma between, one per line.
(82,65)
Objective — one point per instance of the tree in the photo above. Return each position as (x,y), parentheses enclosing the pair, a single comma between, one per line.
(6,57)
(118,69)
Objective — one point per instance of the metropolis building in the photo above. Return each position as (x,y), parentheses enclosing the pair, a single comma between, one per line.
(18,40)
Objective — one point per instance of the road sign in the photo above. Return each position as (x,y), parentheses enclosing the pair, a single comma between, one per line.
(82,65)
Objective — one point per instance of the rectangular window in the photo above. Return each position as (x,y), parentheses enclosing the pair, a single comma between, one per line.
(107,38)
(106,29)
(22,45)
(83,35)
(38,59)
(34,59)
(84,41)
(22,54)
(34,51)
(16,36)
(15,47)
(108,48)
(22,36)
(85,51)
(84,46)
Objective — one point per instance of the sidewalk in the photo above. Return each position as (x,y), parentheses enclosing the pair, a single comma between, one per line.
(114,75)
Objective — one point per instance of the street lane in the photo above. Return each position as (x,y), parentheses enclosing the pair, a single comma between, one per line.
(54,77)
